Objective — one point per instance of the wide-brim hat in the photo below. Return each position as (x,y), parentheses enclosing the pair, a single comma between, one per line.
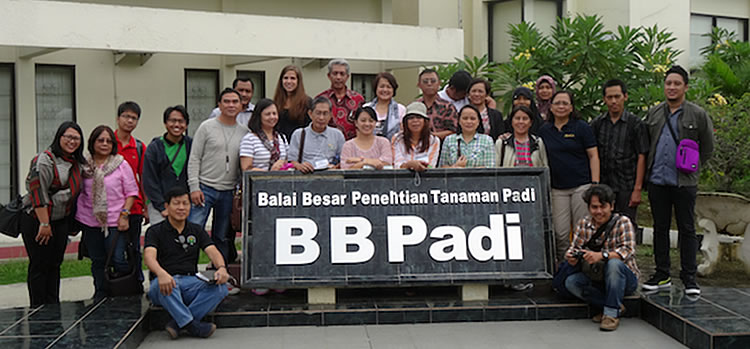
(417,108)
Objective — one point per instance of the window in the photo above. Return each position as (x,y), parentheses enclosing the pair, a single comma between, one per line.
(8,183)
(503,13)
(362,83)
(259,82)
(55,101)
(201,94)
(704,24)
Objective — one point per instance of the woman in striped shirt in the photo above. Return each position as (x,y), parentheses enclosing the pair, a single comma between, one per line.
(521,148)
(263,148)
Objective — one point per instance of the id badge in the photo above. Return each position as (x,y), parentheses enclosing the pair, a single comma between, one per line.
(321,164)
(423,157)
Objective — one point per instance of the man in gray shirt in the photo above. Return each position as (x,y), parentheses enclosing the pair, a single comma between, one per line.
(316,147)
(245,87)
(214,168)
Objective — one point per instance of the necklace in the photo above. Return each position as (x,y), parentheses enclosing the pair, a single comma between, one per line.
(226,145)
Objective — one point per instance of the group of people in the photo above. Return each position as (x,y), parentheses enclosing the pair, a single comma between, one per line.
(174,183)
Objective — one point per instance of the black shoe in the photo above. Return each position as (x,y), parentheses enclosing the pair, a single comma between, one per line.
(201,329)
(657,282)
(172,329)
(692,288)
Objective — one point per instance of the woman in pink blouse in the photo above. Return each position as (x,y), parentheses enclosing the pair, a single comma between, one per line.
(109,189)
(366,150)
(415,147)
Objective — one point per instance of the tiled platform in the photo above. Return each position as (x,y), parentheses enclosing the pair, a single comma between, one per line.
(115,322)
(719,318)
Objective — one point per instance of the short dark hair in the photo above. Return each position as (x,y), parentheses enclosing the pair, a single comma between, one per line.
(371,112)
(613,83)
(485,83)
(96,133)
(319,100)
(573,113)
(388,77)
(243,79)
(480,127)
(428,71)
(55,146)
(129,106)
(460,80)
(602,191)
(676,69)
(175,192)
(228,90)
(255,122)
(178,108)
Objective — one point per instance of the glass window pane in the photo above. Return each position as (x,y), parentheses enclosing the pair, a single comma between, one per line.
(201,94)
(733,25)
(55,101)
(6,129)
(503,14)
(362,83)
(259,83)
(545,15)
(699,25)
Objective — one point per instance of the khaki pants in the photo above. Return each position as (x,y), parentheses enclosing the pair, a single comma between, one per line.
(568,208)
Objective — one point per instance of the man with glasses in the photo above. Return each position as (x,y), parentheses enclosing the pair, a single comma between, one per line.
(317,146)
(442,113)
(133,151)
(165,164)
(343,100)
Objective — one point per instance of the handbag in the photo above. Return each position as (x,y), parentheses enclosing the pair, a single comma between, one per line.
(123,284)
(688,155)
(236,215)
(10,217)
(595,272)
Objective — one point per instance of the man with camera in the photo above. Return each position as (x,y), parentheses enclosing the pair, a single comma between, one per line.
(603,252)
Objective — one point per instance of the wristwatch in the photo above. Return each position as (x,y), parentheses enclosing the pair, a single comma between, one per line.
(124,212)
(594,182)
(605,255)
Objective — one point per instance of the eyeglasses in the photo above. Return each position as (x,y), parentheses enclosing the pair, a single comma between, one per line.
(561,103)
(129,117)
(104,141)
(176,121)
(429,81)
(72,138)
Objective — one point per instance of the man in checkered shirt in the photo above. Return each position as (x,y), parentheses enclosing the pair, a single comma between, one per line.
(618,251)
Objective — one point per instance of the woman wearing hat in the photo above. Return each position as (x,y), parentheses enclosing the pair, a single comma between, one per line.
(492,120)
(414,147)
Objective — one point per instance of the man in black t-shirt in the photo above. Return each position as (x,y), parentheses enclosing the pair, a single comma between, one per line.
(171,253)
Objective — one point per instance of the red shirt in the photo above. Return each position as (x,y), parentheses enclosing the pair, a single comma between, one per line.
(343,110)
(130,153)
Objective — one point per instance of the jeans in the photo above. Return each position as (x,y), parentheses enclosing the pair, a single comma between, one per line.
(662,199)
(191,299)
(221,202)
(619,281)
(568,208)
(98,247)
(43,279)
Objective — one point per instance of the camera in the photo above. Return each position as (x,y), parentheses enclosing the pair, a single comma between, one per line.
(579,253)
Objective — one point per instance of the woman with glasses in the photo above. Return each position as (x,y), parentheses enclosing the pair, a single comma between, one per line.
(574,165)
(470,147)
(109,189)
(415,147)
(263,148)
(292,101)
(492,120)
(53,185)
(366,150)
(389,112)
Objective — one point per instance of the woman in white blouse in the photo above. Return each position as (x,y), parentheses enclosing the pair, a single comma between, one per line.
(415,148)
(263,148)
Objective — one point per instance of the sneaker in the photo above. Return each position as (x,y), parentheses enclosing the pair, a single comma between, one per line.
(657,282)
(172,329)
(692,288)
(201,329)
(609,323)
(232,290)
(598,317)
(259,291)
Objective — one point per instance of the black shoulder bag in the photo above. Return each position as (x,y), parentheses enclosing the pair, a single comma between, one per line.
(127,284)
(595,271)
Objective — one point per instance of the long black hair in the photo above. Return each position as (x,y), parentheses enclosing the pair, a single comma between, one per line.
(77,155)
(255,122)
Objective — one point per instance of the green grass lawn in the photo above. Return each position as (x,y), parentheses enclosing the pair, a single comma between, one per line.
(14,271)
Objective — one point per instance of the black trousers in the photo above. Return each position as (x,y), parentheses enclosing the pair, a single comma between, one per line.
(663,199)
(43,277)
(622,199)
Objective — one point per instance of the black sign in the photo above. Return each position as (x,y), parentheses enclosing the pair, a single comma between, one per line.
(443,226)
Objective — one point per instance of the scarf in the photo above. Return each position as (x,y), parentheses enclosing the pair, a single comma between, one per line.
(98,191)
(543,106)
(272,146)
(74,181)
(389,126)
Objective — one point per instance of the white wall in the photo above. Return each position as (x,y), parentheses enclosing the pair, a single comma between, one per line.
(727,8)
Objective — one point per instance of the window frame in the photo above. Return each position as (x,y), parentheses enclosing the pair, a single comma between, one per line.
(715,18)
(490,22)
(217,74)
(73,94)
(14,189)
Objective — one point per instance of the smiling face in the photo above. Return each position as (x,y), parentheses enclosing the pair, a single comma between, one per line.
(477,94)
(520,123)
(230,104)
(103,144)
(289,81)
(245,88)
(545,90)
(522,100)
(70,141)
(269,117)
(338,76)
(561,106)
(384,90)
(469,121)
(675,88)
(600,212)
(176,124)
(364,123)
(415,123)
(178,208)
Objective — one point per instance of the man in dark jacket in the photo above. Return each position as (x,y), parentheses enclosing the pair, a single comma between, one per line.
(669,123)
(165,163)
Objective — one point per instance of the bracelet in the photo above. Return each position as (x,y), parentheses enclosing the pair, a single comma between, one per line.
(42,224)
(125,212)
(222,266)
